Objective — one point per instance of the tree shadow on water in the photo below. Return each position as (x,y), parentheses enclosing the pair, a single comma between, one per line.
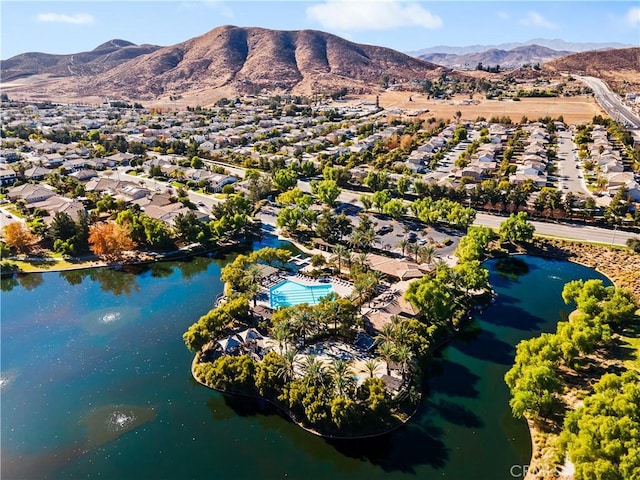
(452,380)
(484,345)
(513,317)
(403,450)
(455,413)
(416,444)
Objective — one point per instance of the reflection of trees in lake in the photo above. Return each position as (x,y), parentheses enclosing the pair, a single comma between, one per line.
(113,281)
(30,281)
(74,277)
(161,269)
(192,266)
(9,283)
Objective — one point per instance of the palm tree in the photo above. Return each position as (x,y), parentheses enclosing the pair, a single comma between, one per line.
(359,290)
(413,249)
(427,254)
(362,259)
(386,335)
(314,372)
(370,367)
(286,369)
(403,245)
(387,352)
(404,356)
(302,323)
(342,376)
(280,333)
(340,253)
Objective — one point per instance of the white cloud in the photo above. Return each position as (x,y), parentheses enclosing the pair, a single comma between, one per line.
(76,19)
(534,19)
(502,15)
(355,15)
(633,17)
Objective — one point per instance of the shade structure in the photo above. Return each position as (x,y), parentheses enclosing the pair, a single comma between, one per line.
(249,334)
(229,343)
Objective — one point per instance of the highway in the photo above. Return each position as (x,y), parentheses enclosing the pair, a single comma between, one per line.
(567,231)
(610,102)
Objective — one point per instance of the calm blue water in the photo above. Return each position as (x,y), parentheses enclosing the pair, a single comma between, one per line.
(290,293)
(78,347)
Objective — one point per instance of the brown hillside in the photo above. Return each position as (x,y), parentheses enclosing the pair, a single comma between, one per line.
(245,60)
(98,60)
(249,59)
(620,68)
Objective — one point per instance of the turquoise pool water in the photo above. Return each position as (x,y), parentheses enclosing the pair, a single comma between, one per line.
(290,293)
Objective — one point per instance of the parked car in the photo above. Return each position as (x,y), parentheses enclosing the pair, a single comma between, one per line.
(412,237)
(384,229)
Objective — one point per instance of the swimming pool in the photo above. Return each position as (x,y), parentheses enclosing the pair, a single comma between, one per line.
(290,293)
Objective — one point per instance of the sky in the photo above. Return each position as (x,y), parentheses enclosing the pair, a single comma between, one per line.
(77,26)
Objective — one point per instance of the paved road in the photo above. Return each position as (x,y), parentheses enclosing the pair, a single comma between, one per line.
(568,172)
(207,201)
(574,232)
(7,217)
(610,102)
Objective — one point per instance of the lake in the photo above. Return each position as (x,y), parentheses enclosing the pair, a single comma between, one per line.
(96,383)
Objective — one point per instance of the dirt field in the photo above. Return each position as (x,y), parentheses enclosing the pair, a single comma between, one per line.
(573,109)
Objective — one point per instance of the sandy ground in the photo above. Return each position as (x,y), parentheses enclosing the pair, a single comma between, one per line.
(573,109)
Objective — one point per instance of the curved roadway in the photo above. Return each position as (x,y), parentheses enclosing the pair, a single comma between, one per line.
(610,102)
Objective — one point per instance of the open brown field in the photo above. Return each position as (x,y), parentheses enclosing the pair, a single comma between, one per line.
(573,109)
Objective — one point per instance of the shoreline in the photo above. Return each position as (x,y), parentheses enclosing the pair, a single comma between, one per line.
(168,257)
(290,415)
(605,260)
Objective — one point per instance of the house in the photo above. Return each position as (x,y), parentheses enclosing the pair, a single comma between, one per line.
(84,175)
(7,177)
(75,164)
(8,156)
(119,159)
(474,172)
(621,178)
(486,157)
(30,193)
(36,173)
(220,180)
(633,190)
(53,160)
(58,204)
(168,213)
(539,180)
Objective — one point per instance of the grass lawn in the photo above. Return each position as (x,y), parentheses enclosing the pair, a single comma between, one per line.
(52,264)
(631,347)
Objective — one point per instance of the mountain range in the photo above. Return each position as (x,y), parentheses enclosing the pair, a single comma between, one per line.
(555,44)
(242,60)
(231,60)
(513,58)
(619,68)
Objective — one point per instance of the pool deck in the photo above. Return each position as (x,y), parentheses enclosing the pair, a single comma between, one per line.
(341,287)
